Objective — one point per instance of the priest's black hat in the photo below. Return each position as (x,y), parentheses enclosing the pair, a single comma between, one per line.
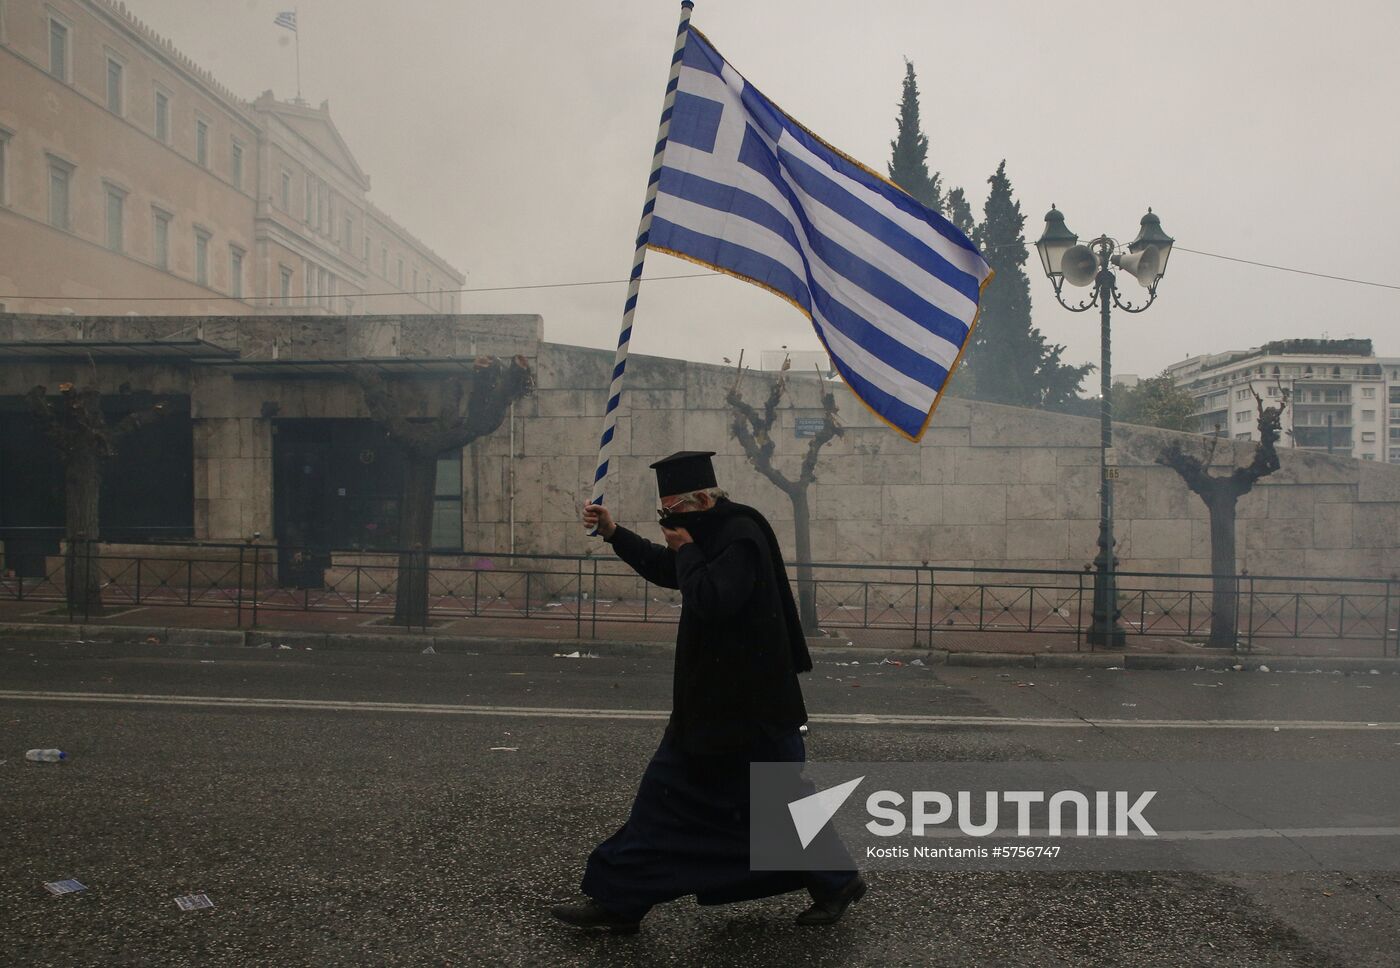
(684,471)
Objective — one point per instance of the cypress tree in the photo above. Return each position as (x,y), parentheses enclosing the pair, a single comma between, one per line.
(908,167)
(1009,359)
(959,212)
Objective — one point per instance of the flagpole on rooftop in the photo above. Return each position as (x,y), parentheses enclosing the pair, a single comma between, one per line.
(635,279)
(296,33)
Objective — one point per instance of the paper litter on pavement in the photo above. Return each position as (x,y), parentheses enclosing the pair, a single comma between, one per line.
(64,887)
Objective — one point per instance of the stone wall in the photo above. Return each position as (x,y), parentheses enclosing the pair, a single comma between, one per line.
(988,485)
(230,405)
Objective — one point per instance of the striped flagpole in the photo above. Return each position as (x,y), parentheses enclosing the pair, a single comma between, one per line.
(634,281)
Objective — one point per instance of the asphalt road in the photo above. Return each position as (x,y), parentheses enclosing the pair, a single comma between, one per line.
(434,828)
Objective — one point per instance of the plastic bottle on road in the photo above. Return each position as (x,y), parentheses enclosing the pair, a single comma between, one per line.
(46,756)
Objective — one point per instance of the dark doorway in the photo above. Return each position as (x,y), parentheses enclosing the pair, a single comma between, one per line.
(147,486)
(337,486)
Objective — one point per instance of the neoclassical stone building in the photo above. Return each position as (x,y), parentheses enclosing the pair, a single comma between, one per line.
(126,170)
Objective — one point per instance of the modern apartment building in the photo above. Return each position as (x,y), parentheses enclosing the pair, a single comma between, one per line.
(1342,397)
(132,181)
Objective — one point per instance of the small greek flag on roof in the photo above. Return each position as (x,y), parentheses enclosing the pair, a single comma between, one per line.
(288,19)
(891,287)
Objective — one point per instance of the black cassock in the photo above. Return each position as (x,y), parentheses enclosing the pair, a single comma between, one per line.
(735,700)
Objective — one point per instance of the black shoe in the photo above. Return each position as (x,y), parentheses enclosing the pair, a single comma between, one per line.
(829,910)
(592,916)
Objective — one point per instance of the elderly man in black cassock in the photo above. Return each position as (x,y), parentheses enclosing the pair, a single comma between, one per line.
(735,700)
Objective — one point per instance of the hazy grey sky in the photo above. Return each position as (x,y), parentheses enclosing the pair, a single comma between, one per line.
(515,138)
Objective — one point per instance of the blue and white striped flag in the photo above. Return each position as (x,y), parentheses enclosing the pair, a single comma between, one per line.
(891,287)
(288,19)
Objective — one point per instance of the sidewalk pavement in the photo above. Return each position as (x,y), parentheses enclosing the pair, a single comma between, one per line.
(554,631)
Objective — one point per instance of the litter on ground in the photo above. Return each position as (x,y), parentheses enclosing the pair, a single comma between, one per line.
(64,887)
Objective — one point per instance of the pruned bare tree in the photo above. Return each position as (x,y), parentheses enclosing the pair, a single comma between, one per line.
(466,409)
(1220,494)
(85,441)
(754,431)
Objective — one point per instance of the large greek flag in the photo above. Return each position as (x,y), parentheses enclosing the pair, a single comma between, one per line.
(891,287)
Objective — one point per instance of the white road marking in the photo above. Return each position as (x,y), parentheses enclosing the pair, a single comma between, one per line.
(1286,833)
(1259,833)
(567,712)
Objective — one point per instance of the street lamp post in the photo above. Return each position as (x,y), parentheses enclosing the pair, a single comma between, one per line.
(1067,261)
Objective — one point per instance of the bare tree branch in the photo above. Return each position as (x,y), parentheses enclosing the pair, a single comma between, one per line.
(754,431)
(830,429)
(76,420)
(1220,495)
(384,407)
(754,434)
(495,385)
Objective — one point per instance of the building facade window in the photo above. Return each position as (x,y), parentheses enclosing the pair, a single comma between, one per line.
(415,280)
(160,239)
(235,271)
(201,144)
(286,285)
(114,86)
(116,200)
(1241,416)
(400,273)
(384,261)
(1368,436)
(201,257)
(348,235)
(309,190)
(235,162)
(287,192)
(162,126)
(1368,393)
(1368,416)
(58,49)
(447,504)
(4,167)
(60,179)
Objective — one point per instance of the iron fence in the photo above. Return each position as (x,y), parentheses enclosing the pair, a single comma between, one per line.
(912,604)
